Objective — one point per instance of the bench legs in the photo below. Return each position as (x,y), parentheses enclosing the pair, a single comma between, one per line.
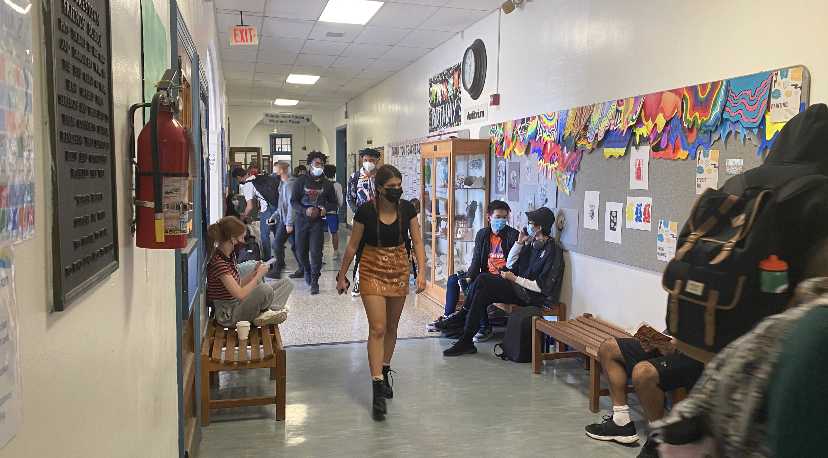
(279,373)
(594,384)
(206,378)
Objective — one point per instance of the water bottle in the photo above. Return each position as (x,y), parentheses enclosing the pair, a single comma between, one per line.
(773,275)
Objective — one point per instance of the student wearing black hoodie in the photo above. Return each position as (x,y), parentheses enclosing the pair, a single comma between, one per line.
(312,197)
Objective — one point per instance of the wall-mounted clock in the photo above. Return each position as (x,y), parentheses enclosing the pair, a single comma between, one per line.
(474,68)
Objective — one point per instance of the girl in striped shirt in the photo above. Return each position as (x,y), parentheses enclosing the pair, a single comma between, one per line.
(236,298)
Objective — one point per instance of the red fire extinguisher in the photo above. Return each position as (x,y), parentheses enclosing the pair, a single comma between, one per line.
(163,212)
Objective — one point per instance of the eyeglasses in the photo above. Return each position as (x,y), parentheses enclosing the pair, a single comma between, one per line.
(532,223)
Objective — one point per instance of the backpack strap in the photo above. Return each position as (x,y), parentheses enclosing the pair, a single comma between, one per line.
(727,248)
(710,223)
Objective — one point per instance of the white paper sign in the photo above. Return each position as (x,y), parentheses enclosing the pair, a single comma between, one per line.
(786,94)
(640,167)
(591,209)
(639,213)
(707,170)
(734,166)
(613,221)
(666,240)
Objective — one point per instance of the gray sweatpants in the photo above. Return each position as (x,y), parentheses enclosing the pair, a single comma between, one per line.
(271,295)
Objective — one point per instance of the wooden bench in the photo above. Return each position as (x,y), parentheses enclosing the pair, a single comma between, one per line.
(558,310)
(222,351)
(584,334)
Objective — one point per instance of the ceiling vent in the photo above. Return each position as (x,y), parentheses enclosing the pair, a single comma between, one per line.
(335,34)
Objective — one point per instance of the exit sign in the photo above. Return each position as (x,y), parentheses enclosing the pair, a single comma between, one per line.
(243,35)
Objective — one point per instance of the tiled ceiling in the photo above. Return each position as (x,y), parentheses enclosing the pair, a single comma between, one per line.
(350,59)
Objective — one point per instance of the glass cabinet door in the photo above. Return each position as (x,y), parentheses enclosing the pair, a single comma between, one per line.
(441,196)
(427,219)
(469,206)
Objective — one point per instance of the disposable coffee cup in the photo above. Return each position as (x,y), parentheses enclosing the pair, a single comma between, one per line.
(243,329)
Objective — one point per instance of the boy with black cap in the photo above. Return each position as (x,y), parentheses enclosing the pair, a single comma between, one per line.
(533,276)
(361,190)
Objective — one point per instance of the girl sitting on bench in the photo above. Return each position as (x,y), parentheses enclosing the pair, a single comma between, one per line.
(236,298)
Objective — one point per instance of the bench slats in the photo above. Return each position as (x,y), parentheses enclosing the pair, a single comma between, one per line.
(230,348)
(604,326)
(267,340)
(254,345)
(208,339)
(590,335)
(277,337)
(218,342)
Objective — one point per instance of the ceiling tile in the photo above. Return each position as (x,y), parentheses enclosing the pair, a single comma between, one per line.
(310,70)
(268,84)
(273,69)
(387,65)
(402,16)
(342,33)
(427,38)
(405,53)
(271,44)
(483,5)
(327,48)
(344,74)
(366,50)
(381,35)
(453,19)
(276,57)
(226,21)
(286,28)
(240,54)
(315,60)
(295,9)
(236,74)
(246,5)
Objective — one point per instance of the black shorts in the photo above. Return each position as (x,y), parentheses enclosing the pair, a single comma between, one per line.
(675,370)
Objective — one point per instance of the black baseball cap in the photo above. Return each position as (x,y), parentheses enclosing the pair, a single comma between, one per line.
(238,172)
(369,152)
(543,216)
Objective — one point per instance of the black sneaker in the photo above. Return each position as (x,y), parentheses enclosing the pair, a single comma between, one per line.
(650,449)
(314,287)
(378,407)
(297,274)
(388,381)
(609,431)
(461,347)
(274,273)
(455,320)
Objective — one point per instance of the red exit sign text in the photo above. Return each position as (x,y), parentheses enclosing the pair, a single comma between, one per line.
(243,35)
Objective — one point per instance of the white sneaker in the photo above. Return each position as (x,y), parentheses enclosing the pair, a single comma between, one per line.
(355,291)
(270,317)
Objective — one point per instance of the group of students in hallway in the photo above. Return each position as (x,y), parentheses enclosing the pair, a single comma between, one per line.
(525,267)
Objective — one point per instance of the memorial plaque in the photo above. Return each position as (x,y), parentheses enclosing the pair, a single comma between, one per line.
(85,229)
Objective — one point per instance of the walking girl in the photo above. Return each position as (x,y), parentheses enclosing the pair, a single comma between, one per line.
(382,228)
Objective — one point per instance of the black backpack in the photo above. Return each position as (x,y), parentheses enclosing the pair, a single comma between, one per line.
(268,187)
(715,282)
(517,343)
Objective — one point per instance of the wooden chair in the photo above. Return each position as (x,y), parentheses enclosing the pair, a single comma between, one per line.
(222,351)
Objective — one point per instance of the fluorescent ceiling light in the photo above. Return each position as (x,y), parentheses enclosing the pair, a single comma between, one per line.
(350,11)
(24,10)
(302,79)
(285,102)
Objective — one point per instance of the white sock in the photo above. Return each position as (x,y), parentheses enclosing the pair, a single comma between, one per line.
(621,415)
(377,378)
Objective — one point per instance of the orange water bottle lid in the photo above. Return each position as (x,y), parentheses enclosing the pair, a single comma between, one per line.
(773,264)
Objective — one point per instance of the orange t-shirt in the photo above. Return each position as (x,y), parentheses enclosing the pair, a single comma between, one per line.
(497,259)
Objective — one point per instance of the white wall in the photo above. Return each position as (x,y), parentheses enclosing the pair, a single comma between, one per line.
(565,53)
(307,136)
(99,380)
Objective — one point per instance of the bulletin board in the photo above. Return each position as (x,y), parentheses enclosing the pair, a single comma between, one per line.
(672,187)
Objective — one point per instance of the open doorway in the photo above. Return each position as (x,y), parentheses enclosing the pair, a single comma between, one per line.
(342,165)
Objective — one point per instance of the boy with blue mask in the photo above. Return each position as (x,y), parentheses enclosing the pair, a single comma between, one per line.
(491,246)
(532,276)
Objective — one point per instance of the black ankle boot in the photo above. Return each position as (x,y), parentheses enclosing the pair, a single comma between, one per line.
(378,409)
(388,381)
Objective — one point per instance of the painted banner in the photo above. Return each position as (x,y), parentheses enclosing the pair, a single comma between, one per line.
(444,100)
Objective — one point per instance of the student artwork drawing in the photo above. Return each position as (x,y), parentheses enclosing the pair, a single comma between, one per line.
(639,213)
(707,170)
(513,179)
(640,167)
(666,240)
(500,176)
(613,222)
(591,204)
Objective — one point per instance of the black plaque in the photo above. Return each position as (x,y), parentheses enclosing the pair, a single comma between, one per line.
(85,229)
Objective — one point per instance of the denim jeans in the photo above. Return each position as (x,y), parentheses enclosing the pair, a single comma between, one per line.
(454,285)
(265,232)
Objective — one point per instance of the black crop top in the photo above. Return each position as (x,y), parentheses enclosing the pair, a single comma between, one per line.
(389,233)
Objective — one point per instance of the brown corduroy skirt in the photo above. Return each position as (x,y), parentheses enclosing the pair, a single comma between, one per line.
(384,271)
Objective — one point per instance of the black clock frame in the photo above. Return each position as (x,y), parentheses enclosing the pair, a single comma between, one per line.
(475,86)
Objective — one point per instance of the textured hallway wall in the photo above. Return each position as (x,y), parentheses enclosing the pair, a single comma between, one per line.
(566,53)
(99,380)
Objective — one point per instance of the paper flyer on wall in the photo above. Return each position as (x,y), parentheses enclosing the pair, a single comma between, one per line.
(707,170)
(405,156)
(11,411)
(666,240)
(613,222)
(513,192)
(735,166)
(786,94)
(591,209)
(639,213)
(640,167)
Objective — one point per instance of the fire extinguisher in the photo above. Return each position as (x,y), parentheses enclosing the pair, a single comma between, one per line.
(163,213)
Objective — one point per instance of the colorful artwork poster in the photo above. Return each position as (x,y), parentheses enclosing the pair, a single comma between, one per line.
(613,222)
(17,151)
(666,240)
(500,176)
(591,209)
(639,213)
(707,170)
(444,100)
(513,181)
(786,94)
(405,156)
(640,167)
(735,166)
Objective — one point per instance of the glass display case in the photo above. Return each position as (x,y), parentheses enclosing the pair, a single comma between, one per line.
(454,194)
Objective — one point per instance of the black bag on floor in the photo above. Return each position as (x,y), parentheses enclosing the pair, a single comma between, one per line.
(724,279)
(250,250)
(517,342)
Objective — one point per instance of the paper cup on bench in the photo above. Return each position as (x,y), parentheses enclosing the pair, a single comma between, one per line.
(243,330)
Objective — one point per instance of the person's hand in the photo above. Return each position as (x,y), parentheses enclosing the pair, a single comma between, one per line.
(342,283)
(312,212)
(522,237)
(289,229)
(322,211)
(421,284)
(666,348)
(508,275)
(261,269)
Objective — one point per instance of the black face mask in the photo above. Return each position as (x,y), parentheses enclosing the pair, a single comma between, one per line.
(537,244)
(393,195)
